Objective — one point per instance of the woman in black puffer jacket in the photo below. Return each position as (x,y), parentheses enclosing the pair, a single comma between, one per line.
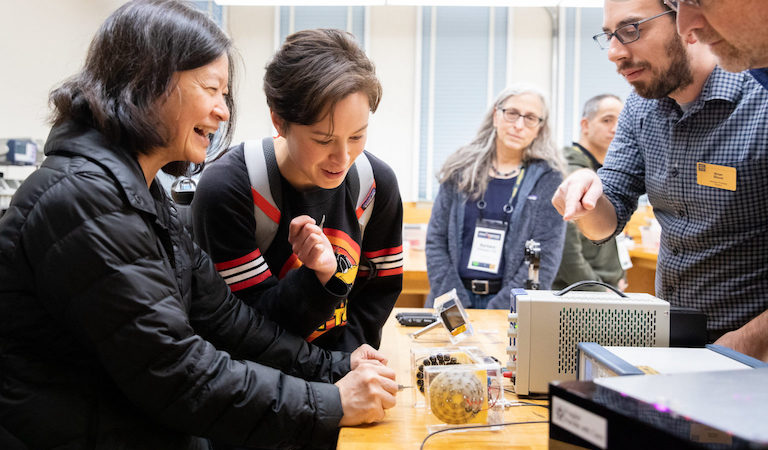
(115,329)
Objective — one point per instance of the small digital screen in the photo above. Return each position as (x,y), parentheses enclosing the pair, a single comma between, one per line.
(452,317)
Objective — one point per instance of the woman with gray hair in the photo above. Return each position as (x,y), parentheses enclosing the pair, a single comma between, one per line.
(494,196)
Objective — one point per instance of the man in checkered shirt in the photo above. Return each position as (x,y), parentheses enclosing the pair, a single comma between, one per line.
(736,33)
(694,138)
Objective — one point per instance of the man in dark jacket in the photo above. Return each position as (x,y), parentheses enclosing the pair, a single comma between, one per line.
(115,329)
(583,259)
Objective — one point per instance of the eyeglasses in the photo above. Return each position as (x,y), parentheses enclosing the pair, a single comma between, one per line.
(625,34)
(513,115)
(674,3)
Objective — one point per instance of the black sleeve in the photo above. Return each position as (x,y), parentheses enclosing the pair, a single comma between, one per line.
(225,228)
(127,310)
(376,290)
(220,316)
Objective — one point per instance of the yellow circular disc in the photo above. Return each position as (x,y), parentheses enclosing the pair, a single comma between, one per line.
(455,396)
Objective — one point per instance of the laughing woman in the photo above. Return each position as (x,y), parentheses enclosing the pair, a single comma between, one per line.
(115,329)
(494,196)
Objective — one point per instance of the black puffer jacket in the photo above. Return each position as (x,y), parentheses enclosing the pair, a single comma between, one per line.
(117,332)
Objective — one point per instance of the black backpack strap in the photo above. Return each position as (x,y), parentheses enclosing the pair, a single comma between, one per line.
(273,171)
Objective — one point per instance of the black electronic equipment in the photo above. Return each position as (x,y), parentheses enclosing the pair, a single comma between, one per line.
(718,409)
(533,259)
(183,190)
(21,152)
(415,319)
(687,327)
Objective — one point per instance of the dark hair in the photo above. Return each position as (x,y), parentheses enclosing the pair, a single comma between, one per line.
(130,65)
(592,106)
(314,70)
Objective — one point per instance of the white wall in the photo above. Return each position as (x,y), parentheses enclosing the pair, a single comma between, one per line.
(252,28)
(531,48)
(44,42)
(393,40)
(41,43)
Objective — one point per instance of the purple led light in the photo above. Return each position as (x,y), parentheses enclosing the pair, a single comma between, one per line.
(661,408)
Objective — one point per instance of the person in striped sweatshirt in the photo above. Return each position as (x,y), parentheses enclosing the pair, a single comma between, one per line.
(307,226)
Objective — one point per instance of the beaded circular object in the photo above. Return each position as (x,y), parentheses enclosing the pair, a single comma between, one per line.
(456,397)
(439,359)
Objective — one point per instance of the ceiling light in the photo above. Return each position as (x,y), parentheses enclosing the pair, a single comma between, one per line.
(301,2)
(501,3)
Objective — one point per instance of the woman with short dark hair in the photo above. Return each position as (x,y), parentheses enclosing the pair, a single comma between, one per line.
(115,329)
(307,226)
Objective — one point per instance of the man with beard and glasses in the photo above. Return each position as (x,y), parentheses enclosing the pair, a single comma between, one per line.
(735,32)
(692,137)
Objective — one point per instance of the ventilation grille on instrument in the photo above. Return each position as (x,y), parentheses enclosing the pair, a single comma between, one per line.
(606,326)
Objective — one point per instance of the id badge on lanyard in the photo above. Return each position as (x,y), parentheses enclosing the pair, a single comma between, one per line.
(487,245)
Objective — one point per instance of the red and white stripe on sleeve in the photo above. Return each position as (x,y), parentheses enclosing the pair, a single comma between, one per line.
(245,271)
(387,262)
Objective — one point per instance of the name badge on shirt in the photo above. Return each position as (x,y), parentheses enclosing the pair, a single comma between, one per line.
(712,175)
(487,245)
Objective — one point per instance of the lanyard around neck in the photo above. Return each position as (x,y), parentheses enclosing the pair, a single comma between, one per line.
(481,204)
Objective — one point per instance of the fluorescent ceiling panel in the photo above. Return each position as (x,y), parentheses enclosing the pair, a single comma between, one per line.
(502,3)
(582,3)
(300,2)
(473,3)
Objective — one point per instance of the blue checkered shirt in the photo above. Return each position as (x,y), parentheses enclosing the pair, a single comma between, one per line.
(714,242)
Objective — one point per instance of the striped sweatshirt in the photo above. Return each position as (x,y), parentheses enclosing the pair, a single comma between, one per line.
(346,312)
